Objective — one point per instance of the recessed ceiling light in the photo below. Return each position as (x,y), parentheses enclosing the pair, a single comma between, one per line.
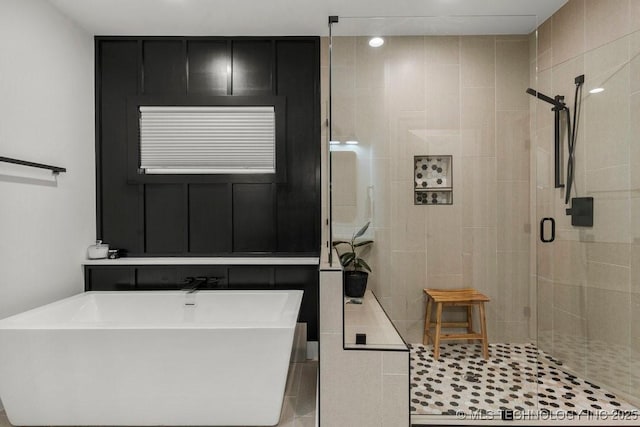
(597,90)
(334,142)
(376,42)
(352,142)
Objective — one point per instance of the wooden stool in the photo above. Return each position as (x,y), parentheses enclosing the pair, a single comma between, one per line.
(455,297)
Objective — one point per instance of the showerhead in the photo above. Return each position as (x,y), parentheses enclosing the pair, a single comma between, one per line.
(557,102)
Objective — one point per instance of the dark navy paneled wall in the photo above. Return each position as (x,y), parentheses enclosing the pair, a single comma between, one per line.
(193,216)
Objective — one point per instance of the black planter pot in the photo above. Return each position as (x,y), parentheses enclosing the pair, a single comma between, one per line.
(355,283)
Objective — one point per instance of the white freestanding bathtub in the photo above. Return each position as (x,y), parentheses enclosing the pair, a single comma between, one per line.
(149,358)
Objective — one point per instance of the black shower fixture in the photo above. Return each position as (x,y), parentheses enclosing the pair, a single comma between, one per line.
(558,107)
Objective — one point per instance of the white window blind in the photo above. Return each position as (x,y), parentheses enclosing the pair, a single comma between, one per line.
(207,140)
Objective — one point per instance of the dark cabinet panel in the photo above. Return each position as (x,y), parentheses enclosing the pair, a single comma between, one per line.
(150,278)
(252,67)
(210,218)
(208,67)
(296,277)
(166,218)
(119,221)
(253,218)
(298,202)
(110,279)
(251,277)
(164,67)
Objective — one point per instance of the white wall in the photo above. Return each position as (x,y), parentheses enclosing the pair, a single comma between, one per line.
(46,116)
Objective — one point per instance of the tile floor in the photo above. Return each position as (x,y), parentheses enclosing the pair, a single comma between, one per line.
(606,362)
(514,378)
(299,406)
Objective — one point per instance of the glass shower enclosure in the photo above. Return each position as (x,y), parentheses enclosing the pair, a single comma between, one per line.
(435,142)
(588,277)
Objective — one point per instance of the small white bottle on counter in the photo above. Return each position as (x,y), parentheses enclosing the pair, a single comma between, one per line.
(98,251)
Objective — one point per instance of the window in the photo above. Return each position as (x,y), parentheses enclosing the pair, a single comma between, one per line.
(207,139)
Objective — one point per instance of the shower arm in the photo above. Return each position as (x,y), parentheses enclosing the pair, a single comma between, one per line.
(558,106)
(557,102)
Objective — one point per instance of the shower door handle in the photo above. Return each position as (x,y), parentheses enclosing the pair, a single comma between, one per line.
(553,230)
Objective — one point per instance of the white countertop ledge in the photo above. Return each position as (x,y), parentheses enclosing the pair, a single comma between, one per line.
(369,318)
(206,261)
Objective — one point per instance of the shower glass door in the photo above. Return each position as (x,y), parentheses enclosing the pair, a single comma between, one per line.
(431,145)
(588,305)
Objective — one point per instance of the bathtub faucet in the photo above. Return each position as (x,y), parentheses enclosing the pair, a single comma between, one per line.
(193,284)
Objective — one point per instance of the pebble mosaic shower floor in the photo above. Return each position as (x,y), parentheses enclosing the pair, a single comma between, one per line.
(513,378)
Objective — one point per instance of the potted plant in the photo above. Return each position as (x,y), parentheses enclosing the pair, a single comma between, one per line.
(355,276)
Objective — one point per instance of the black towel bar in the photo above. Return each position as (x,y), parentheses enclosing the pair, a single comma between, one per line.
(55,169)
